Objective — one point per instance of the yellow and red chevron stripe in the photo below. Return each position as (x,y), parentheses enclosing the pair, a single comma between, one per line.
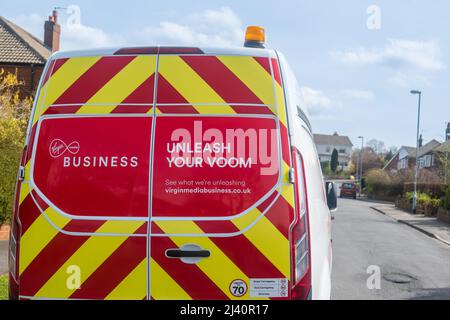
(98,85)
(104,261)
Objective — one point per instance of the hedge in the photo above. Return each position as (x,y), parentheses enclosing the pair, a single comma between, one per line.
(434,190)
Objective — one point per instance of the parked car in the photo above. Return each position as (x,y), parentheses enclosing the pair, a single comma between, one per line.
(170,173)
(349,190)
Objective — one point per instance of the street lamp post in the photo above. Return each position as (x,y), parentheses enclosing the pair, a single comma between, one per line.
(417,150)
(360,164)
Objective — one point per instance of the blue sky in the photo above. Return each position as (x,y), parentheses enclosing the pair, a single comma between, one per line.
(355,80)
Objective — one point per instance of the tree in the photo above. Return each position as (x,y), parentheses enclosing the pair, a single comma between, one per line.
(388,156)
(377,146)
(370,160)
(14,113)
(334,160)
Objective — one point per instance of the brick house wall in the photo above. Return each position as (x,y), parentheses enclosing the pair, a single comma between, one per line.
(28,74)
(393,164)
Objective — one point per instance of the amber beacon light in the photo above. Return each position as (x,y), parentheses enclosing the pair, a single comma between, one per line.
(255,37)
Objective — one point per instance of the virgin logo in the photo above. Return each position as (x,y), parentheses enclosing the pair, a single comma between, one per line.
(58,148)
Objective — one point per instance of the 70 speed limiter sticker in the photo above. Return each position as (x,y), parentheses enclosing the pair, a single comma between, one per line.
(238,288)
(269,288)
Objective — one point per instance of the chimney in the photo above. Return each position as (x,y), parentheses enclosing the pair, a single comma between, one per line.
(52,31)
(420,141)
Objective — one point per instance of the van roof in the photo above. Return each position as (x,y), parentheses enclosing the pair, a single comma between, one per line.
(239,51)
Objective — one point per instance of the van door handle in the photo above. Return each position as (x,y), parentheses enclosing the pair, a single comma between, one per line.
(179,253)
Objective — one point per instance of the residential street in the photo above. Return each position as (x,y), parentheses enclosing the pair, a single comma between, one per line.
(413,265)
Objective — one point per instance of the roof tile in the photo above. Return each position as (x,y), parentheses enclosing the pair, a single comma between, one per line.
(333,140)
(19,46)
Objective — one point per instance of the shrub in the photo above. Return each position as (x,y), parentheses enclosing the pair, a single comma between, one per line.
(435,190)
(424,200)
(379,183)
(14,113)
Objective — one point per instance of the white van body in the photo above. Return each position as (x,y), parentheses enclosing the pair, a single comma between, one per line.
(137,242)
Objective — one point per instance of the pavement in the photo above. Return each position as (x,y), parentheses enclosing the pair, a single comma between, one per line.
(3,257)
(427,225)
(412,265)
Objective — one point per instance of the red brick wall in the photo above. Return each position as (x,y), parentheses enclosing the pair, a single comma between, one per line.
(24,74)
(393,165)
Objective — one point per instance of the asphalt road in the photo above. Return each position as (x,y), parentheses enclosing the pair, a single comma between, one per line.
(411,265)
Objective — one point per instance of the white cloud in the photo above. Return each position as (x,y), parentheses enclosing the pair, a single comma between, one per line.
(220,27)
(74,36)
(79,36)
(320,104)
(33,23)
(211,27)
(363,95)
(316,101)
(397,54)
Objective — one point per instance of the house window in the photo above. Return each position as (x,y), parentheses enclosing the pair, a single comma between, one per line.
(428,161)
(328,149)
(342,151)
(403,163)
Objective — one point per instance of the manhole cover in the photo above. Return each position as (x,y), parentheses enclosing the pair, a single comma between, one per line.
(400,278)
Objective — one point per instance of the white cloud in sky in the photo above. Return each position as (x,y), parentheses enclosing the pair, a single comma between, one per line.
(397,53)
(315,101)
(80,36)
(221,27)
(319,103)
(74,36)
(410,63)
(208,28)
(33,23)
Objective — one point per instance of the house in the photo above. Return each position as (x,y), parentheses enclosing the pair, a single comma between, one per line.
(427,155)
(325,144)
(432,159)
(405,158)
(401,159)
(24,54)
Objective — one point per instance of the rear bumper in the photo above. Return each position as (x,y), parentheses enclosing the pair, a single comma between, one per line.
(348,194)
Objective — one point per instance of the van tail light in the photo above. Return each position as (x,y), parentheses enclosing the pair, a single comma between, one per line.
(299,234)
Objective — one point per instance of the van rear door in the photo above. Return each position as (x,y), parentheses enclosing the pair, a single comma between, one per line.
(85,199)
(222,203)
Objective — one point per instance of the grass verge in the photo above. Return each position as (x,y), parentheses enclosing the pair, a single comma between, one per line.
(4,287)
